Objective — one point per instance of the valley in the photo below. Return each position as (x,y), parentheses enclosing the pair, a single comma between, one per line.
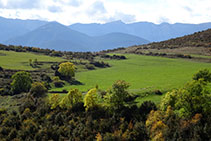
(155,91)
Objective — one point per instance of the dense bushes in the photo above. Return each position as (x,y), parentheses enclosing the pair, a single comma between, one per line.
(184,114)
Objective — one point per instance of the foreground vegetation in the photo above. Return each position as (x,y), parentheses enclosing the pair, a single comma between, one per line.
(183,114)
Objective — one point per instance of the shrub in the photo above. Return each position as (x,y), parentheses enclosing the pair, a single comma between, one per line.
(1,69)
(67,70)
(57,82)
(116,97)
(91,99)
(203,74)
(90,66)
(21,82)
(38,89)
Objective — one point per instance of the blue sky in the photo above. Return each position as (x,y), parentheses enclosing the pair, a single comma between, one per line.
(102,11)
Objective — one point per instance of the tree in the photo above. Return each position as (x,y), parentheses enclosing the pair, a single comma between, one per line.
(91,99)
(186,102)
(67,70)
(203,74)
(117,95)
(73,97)
(54,101)
(21,82)
(38,89)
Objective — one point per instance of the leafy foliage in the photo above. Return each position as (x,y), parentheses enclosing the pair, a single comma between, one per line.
(193,98)
(203,74)
(73,97)
(67,70)
(117,95)
(38,89)
(21,82)
(91,99)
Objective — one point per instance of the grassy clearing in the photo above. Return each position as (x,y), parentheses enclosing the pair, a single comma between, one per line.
(141,72)
(20,61)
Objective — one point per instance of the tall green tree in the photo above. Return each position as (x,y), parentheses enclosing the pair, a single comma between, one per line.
(116,97)
(21,82)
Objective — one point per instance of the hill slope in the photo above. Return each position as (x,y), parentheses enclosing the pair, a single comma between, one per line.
(198,43)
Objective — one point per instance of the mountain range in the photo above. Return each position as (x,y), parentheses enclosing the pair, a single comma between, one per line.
(149,31)
(89,37)
(59,37)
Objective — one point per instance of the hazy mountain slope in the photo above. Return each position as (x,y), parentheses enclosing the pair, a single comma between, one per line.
(14,27)
(59,37)
(146,30)
(53,36)
(114,40)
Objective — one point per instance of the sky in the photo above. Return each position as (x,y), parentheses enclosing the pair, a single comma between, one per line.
(102,11)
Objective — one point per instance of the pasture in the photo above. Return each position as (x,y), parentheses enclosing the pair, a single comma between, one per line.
(20,60)
(142,72)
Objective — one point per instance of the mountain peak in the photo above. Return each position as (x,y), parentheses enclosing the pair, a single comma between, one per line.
(116,22)
(53,26)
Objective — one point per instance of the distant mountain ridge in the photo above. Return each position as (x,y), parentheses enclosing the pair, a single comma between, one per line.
(59,37)
(149,31)
(90,37)
(10,28)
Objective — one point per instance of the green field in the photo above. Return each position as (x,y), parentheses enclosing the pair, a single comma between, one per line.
(142,72)
(20,61)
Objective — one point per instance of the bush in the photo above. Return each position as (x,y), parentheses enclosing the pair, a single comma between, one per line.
(145,109)
(158,92)
(1,69)
(38,89)
(5,91)
(46,78)
(67,70)
(90,66)
(21,82)
(203,74)
(57,82)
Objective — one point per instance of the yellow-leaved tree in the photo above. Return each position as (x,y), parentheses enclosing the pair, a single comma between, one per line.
(73,97)
(91,99)
(67,70)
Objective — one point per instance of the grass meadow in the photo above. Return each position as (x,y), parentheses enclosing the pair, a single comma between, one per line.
(144,73)
(20,60)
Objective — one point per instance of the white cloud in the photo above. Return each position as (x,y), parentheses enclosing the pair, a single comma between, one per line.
(19,4)
(88,11)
